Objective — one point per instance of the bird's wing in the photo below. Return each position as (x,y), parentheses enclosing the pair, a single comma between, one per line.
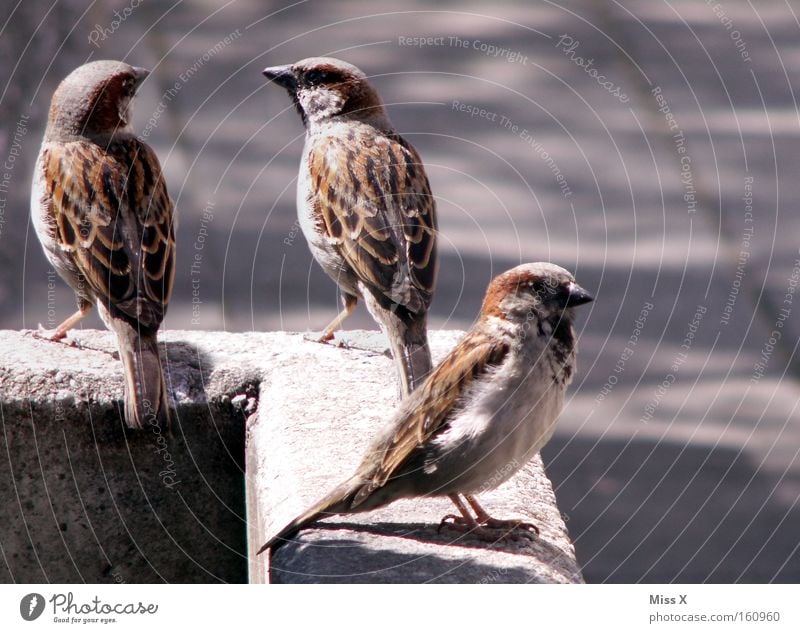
(374,203)
(436,402)
(113,218)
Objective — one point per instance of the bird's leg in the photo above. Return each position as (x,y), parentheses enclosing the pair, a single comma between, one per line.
(485,519)
(61,331)
(481,514)
(349,302)
(465,521)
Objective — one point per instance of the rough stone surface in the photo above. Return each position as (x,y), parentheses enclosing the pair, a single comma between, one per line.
(312,434)
(86,499)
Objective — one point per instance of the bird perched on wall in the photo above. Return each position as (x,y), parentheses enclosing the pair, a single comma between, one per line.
(485,411)
(101,211)
(365,206)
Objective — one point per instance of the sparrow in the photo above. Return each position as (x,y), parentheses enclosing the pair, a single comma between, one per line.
(485,411)
(365,206)
(100,208)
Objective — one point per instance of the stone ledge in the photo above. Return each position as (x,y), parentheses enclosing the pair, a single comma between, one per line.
(88,500)
(324,405)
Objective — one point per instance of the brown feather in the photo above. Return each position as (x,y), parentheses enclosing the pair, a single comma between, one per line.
(436,402)
(384,185)
(123,241)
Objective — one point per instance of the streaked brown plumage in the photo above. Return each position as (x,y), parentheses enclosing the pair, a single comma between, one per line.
(102,213)
(365,206)
(488,408)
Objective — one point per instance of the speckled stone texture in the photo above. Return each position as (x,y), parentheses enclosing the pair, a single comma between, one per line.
(87,500)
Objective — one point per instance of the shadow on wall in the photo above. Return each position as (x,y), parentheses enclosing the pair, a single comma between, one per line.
(87,500)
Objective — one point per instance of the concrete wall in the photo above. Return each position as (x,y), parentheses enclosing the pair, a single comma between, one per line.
(87,500)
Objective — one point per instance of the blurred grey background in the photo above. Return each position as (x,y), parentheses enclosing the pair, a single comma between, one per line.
(649,146)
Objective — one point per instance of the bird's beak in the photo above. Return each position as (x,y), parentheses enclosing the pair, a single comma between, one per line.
(140,74)
(281,75)
(577,296)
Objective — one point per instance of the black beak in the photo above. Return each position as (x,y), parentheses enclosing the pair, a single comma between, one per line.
(577,296)
(139,74)
(283,76)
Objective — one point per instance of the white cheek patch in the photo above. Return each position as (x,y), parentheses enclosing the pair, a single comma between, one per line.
(319,103)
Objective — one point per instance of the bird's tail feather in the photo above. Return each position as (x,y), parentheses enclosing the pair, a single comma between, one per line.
(408,340)
(407,331)
(145,391)
(337,502)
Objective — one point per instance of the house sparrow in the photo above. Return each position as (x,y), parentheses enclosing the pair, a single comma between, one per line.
(103,216)
(365,206)
(488,408)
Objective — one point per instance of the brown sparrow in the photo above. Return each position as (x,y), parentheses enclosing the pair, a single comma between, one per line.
(101,210)
(486,410)
(365,206)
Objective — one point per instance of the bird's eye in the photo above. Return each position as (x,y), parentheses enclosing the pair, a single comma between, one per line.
(537,287)
(544,288)
(316,77)
(552,285)
(128,86)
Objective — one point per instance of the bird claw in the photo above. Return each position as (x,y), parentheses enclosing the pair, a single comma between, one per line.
(490,529)
(456,520)
(325,339)
(47,335)
(512,526)
(54,336)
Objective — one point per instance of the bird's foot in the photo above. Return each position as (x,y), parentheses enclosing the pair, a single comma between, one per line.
(512,526)
(325,339)
(457,522)
(490,529)
(342,344)
(55,336)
